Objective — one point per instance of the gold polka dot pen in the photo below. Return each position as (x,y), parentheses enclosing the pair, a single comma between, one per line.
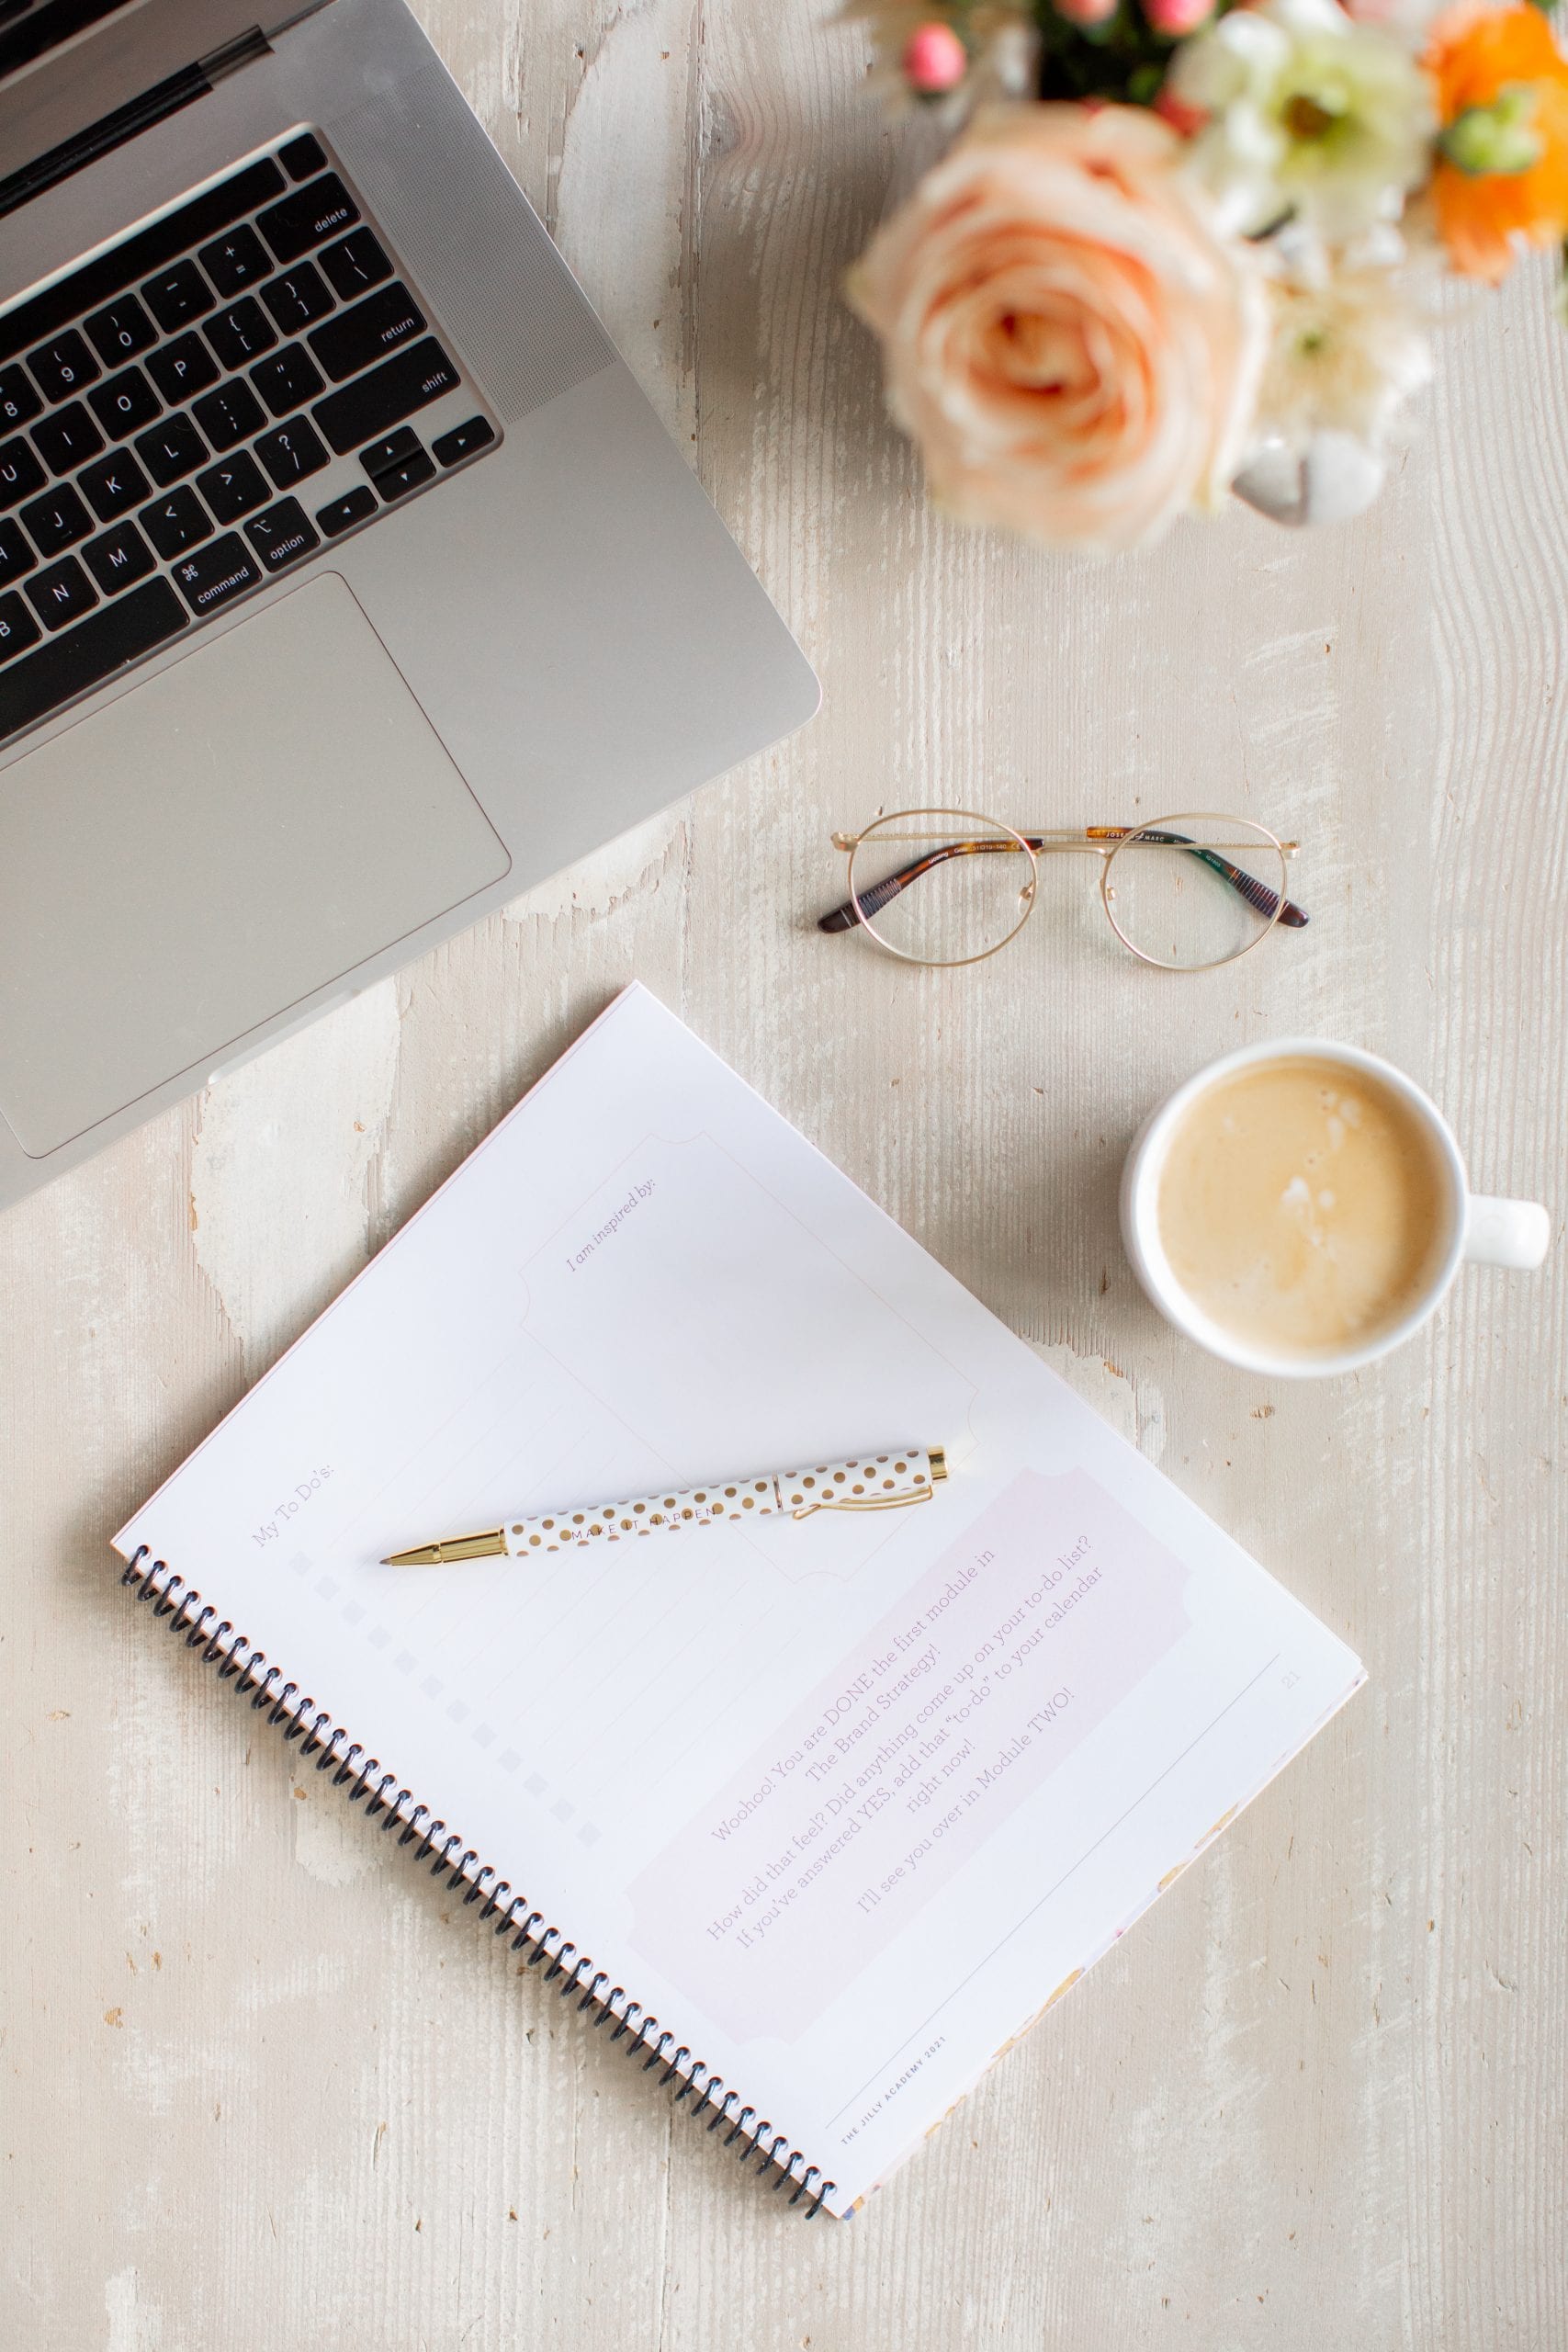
(870,1481)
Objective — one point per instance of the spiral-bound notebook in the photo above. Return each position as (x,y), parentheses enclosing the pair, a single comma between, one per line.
(815,1815)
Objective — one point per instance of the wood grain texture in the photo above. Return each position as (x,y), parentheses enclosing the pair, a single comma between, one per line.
(262,2090)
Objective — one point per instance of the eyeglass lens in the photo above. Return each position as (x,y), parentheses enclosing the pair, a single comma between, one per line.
(1188,892)
(940,886)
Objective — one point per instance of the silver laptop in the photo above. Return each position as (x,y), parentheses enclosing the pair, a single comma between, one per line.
(348,584)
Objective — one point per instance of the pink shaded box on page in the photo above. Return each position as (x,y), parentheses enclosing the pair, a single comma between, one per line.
(1042,1617)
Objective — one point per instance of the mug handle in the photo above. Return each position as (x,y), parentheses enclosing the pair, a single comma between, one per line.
(1506,1233)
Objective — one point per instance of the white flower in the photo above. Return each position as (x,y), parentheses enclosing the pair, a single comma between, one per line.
(1310,114)
(1346,348)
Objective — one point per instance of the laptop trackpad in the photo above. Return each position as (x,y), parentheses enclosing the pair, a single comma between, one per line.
(209,850)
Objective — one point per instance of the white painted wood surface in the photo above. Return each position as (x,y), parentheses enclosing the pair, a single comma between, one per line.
(261,2092)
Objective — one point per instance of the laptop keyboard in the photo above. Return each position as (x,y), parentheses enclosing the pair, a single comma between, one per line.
(197,409)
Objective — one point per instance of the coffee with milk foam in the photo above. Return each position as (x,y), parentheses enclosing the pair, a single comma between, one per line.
(1303,1205)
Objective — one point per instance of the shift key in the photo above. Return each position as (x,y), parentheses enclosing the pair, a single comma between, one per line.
(373,403)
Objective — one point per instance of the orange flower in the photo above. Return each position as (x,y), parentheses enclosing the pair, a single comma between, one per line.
(1478,56)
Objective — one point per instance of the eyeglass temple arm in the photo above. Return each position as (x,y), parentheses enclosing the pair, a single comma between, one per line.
(880,894)
(1256,894)
(872,901)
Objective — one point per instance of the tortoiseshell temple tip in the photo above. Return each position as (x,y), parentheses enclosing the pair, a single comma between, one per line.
(1294,918)
(842,918)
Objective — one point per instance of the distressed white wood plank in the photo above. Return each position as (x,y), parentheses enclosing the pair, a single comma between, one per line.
(264,2088)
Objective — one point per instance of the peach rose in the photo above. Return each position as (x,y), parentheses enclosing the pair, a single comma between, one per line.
(1068,337)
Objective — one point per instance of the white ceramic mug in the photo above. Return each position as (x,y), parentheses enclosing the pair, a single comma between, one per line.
(1488,1232)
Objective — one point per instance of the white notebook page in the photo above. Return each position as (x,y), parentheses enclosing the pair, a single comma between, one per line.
(843,1802)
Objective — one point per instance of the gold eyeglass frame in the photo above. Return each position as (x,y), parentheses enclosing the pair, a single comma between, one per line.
(1105,842)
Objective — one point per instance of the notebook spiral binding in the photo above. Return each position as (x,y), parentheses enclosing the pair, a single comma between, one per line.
(239,1661)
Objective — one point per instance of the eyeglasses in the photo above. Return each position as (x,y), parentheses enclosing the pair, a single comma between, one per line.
(1185,893)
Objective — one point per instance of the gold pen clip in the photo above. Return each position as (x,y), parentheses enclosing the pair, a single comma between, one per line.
(871,1502)
(937,1456)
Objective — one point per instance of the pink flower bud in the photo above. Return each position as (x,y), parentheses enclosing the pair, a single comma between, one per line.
(934,60)
(1086,12)
(1176,19)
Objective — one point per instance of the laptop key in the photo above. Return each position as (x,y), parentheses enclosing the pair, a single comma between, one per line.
(298,298)
(21,472)
(19,403)
(235,486)
(282,534)
(290,452)
(171,450)
(232,414)
(375,402)
(61,595)
(287,379)
(113,483)
(120,329)
(67,438)
(355,265)
(220,572)
(308,215)
(57,520)
(183,368)
(67,666)
(390,450)
(117,558)
(17,628)
(382,322)
(16,556)
(175,523)
(235,261)
(396,481)
(463,440)
(62,367)
(239,334)
(178,295)
(302,156)
(125,404)
(342,514)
